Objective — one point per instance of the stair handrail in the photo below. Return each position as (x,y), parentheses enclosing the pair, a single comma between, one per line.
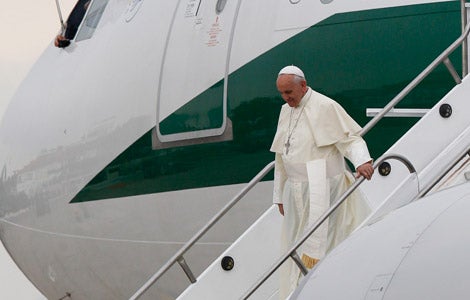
(292,252)
(446,171)
(442,58)
(464,21)
(178,257)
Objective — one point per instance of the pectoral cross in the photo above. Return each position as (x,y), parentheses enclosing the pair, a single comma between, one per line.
(287,144)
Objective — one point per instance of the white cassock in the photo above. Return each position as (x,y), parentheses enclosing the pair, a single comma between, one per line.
(311,142)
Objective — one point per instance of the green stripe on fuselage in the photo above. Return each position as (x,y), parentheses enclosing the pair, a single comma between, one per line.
(361,59)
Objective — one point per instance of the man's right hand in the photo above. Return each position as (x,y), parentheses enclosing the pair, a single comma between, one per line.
(61,42)
(281,208)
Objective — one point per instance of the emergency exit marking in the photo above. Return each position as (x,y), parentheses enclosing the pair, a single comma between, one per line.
(214,33)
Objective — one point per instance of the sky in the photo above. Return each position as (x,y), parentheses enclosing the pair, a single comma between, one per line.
(26,29)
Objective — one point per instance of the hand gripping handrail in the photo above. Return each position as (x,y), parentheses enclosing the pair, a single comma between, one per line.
(178,257)
(292,252)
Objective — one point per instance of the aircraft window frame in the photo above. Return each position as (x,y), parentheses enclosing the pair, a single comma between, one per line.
(91,20)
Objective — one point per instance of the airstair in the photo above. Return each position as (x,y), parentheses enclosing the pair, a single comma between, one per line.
(431,154)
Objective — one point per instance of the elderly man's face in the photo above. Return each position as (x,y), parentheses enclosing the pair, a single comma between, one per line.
(292,89)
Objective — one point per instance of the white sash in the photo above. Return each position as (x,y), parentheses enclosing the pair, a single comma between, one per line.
(315,246)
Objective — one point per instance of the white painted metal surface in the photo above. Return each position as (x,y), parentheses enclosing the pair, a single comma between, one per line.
(253,253)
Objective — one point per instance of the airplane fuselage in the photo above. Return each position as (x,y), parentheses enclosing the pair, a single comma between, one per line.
(118,148)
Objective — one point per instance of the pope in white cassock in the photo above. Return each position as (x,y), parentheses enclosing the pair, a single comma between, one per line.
(313,136)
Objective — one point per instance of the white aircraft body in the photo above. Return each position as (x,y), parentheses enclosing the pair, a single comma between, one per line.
(117,149)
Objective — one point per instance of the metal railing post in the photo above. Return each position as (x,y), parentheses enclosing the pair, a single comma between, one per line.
(465,42)
(452,70)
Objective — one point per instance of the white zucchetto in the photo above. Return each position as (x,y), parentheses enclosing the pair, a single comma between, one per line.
(292,70)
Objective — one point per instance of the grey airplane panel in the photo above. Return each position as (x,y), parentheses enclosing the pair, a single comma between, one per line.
(436,267)
(398,256)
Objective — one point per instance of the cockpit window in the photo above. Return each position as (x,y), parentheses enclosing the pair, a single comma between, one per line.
(75,18)
(92,18)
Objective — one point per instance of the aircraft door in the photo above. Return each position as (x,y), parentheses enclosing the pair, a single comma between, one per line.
(192,96)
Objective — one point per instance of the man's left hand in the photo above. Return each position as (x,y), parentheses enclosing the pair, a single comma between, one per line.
(366,170)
